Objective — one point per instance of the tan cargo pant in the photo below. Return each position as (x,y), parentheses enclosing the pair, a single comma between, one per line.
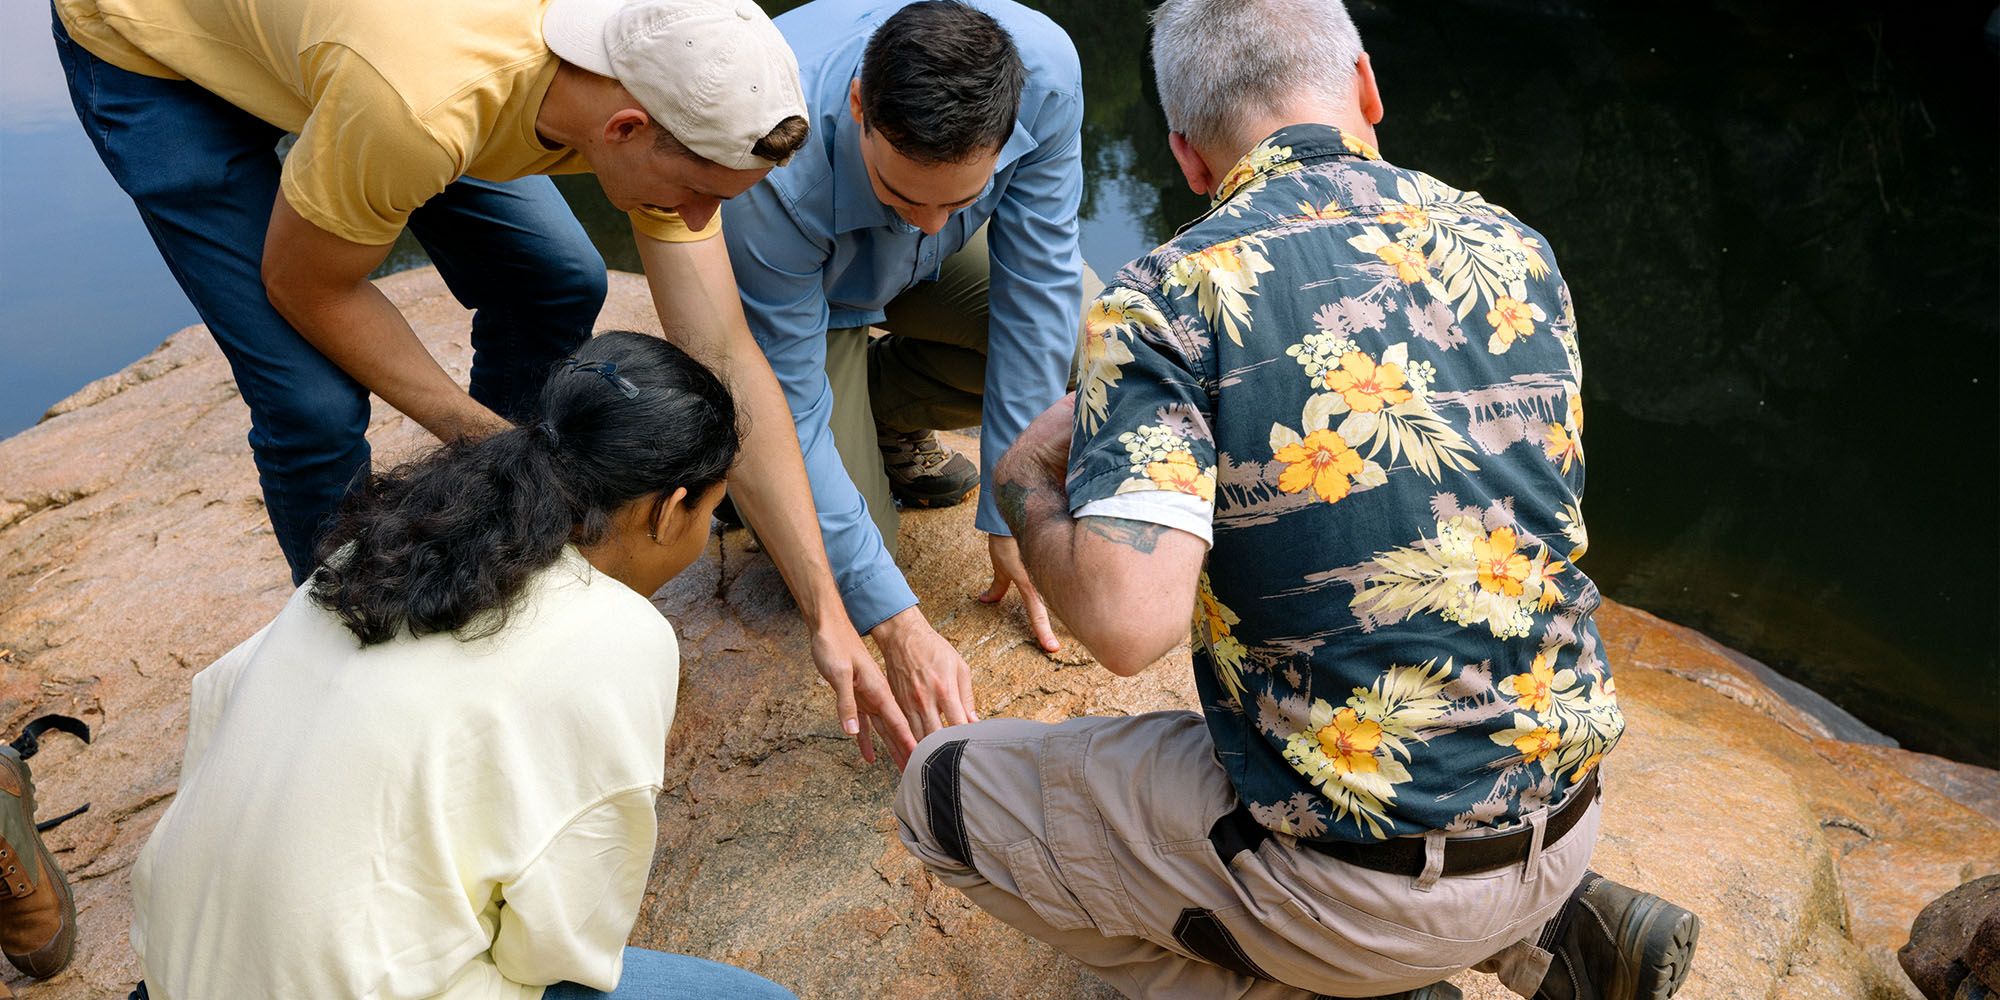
(1093,836)
(926,371)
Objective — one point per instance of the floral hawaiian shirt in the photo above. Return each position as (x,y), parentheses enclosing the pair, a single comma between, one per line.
(1369,383)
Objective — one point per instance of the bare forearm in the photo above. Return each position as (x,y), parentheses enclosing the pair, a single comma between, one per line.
(1035,505)
(360,330)
(1124,587)
(319,283)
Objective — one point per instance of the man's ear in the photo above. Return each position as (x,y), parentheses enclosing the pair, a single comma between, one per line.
(1365,92)
(1200,179)
(677,506)
(854,101)
(625,125)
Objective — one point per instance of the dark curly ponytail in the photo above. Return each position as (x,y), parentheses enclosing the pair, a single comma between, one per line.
(445,543)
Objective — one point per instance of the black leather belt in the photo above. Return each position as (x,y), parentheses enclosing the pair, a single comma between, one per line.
(1236,831)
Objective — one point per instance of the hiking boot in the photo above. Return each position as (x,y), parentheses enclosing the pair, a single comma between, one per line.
(1613,942)
(922,471)
(37,911)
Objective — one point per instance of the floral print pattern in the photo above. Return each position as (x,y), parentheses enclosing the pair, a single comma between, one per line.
(1372,380)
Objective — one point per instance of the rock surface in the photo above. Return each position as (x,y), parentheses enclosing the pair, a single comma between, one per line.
(134,550)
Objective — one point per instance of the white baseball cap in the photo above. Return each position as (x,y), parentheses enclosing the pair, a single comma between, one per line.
(716,73)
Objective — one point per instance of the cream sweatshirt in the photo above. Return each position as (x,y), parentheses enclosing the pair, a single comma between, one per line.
(421,818)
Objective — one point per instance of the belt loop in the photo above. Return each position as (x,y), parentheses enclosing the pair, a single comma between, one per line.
(1538,824)
(1433,861)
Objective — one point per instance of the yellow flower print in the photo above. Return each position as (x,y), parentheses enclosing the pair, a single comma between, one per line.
(1527,247)
(1211,615)
(1533,690)
(1534,739)
(1604,691)
(1465,575)
(1501,569)
(1564,444)
(1251,173)
(1511,319)
(1583,769)
(1352,758)
(1408,262)
(1323,462)
(1180,473)
(1561,446)
(1107,326)
(1330,210)
(1350,741)
(1537,744)
(1222,277)
(1410,217)
(1544,578)
(1212,623)
(1359,147)
(1366,386)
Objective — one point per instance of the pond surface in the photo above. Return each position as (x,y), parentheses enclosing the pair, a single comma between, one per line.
(1778,219)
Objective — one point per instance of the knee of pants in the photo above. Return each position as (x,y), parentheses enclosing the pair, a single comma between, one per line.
(309,421)
(928,806)
(574,290)
(930,799)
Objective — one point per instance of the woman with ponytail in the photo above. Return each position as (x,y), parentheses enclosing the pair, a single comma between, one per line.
(433,775)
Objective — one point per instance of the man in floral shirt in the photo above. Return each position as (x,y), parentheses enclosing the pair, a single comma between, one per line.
(1359,389)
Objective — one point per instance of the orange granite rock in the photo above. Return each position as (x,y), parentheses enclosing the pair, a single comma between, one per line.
(134,550)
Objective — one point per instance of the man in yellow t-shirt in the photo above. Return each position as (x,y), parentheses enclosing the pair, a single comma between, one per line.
(441,117)
(438,118)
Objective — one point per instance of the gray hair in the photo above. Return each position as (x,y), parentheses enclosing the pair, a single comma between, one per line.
(1219,61)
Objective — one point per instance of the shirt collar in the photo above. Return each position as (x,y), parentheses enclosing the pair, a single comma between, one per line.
(1286,150)
(854,203)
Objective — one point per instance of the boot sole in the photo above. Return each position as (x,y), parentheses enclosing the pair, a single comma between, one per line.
(1670,936)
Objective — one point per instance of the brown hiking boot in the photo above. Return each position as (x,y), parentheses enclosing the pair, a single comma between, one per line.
(1613,942)
(922,471)
(37,911)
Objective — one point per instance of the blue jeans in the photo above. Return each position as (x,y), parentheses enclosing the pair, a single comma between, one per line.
(656,975)
(204,175)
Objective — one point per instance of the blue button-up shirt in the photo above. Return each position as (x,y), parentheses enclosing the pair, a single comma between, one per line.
(813,248)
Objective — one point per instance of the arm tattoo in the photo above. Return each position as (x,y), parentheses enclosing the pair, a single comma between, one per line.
(1140,535)
(1012,499)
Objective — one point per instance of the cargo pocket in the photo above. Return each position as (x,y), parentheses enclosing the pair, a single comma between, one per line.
(1035,878)
(1206,937)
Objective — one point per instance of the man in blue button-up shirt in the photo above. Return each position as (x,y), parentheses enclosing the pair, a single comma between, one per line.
(933,203)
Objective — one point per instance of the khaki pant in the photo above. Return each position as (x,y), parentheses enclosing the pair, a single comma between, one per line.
(1093,835)
(925,371)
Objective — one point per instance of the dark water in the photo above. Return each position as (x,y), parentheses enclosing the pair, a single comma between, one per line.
(1780,223)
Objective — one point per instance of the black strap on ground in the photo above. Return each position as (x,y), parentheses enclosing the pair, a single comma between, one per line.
(50,824)
(30,742)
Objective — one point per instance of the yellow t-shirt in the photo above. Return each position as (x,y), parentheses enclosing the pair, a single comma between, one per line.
(391,100)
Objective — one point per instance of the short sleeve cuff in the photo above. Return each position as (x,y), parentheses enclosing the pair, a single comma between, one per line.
(667,227)
(357,228)
(1163,507)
